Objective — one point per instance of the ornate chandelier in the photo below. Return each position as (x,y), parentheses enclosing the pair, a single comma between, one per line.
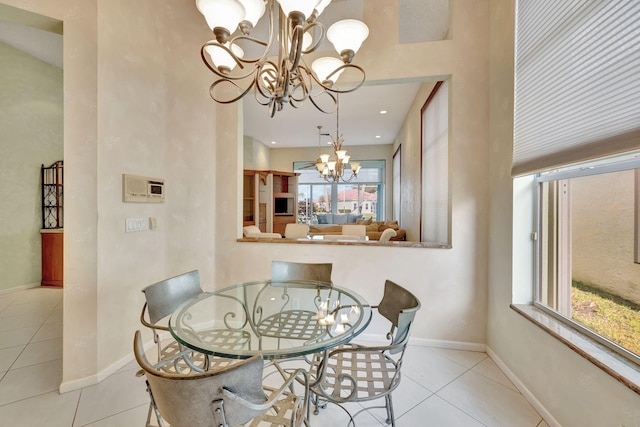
(333,169)
(285,79)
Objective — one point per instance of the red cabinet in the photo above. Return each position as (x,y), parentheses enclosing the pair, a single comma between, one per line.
(52,251)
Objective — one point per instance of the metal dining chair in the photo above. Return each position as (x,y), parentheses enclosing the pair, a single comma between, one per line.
(292,322)
(224,397)
(357,373)
(162,299)
(282,271)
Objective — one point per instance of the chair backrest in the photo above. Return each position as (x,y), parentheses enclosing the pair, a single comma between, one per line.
(164,297)
(296,231)
(399,306)
(282,271)
(187,400)
(354,229)
(387,234)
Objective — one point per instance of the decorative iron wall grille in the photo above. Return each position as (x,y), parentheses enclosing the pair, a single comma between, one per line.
(52,195)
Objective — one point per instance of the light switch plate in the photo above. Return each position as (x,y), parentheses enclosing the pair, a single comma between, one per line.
(136,224)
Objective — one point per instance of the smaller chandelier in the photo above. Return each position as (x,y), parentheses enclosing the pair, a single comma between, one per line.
(333,169)
(285,78)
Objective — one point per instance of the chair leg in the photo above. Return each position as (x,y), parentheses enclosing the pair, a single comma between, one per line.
(391,419)
(152,404)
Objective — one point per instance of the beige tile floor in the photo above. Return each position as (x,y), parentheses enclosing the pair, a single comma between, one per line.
(439,387)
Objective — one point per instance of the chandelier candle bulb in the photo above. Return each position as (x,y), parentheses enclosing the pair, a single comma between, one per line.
(221,57)
(320,7)
(222,16)
(254,11)
(347,36)
(339,328)
(305,7)
(330,319)
(344,318)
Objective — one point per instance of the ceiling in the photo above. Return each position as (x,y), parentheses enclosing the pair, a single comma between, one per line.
(360,120)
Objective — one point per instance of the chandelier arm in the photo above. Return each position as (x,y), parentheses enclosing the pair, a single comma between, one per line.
(317,41)
(214,43)
(268,45)
(230,101)
(303,81)
(215,71)
(315,104)
(343,67)
(296,47)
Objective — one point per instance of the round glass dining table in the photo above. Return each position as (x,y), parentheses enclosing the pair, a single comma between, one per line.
(276,319)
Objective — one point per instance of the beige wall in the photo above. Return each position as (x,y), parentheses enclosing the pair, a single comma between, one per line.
(135,101)
(450,283)
(573,391)
(31,122)
(256,155)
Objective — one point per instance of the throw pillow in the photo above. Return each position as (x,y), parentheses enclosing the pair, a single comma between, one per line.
(322,219)
(353,218)
(364,221)
(392,224)
(372,227)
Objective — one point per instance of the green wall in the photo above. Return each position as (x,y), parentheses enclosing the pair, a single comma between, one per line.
(31,134)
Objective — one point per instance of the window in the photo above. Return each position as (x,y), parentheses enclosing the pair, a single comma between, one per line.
(575,107)
(364,195)
(587,241)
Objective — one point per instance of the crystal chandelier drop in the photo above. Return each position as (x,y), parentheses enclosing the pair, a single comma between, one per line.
(333,169)
(285,78)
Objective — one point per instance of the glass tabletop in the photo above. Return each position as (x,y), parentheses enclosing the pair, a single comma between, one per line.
(275,319)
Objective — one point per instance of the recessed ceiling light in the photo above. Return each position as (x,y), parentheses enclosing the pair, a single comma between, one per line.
(378,137)
(383,111)
(273,142)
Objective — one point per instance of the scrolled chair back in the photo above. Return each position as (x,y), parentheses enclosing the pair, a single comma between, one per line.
(164,297)
(208,398)
(399,306)
(285,271)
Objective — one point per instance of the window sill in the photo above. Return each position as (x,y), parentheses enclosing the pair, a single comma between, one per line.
(390,244)
(620,368)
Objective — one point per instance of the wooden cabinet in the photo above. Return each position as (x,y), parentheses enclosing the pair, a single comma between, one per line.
(248,198)
(269,199)
(285,187)
(52,234)
(52,251)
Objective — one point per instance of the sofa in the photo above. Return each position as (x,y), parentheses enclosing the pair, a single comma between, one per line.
(374,229)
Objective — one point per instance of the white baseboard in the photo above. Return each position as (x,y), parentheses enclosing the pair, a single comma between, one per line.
(533,401)
(453,345)
(103,374)
(20,288)
(68,386)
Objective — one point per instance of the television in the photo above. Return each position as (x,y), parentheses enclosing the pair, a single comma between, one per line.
(283,206)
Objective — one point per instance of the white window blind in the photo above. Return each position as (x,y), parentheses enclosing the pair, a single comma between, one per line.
(435,167)
(577,81)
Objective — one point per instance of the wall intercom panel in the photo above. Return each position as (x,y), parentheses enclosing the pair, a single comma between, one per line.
(142,189)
